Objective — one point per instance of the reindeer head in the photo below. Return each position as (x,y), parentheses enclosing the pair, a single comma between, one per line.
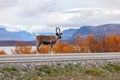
(58,32)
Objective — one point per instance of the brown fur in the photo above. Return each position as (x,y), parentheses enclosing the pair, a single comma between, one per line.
(42,38)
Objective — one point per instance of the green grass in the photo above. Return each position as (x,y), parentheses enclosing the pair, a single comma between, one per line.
(96,72)
(68,72)
(113,68)
(9,69)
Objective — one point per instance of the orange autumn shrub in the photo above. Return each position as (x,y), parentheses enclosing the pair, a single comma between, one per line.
(44,49)
(112,43)
(90,43)
(81,44)
(2,52)
(63,48)
(57,48)
(22,48)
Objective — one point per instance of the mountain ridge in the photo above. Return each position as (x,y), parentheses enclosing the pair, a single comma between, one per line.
(17,35)
(98,31)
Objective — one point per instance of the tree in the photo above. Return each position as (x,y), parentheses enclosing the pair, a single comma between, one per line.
(92,43)
(79,41)
(112,43)
(60,47)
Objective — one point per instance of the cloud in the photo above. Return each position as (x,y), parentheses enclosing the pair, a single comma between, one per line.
(7,3)
(95,17)
(86,16)
(33,8)
(31,29)
(15,28)
(73,18)
(44,15)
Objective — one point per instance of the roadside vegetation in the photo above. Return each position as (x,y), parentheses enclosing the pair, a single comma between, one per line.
(22,48)
(89,44)
(67,72)
(2,52)
(80,44)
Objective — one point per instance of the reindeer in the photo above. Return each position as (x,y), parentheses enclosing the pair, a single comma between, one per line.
(48,40)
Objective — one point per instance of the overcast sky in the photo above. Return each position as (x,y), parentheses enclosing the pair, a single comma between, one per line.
(44,15)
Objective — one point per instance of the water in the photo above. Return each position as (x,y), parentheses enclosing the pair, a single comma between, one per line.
(8,49)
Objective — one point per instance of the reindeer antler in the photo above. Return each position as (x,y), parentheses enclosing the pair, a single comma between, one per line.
(56,29)
(59,29)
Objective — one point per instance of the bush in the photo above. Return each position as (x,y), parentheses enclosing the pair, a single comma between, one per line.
(2,52)
(22,48)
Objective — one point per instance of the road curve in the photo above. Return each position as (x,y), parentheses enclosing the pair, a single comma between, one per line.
(58,57)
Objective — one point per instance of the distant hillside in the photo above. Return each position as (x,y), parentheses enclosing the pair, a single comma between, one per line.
(98,31)
(66,34)
(13,43)
(84,31)
(19,35)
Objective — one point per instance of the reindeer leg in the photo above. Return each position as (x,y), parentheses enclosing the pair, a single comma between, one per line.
(51,48)
(38,45)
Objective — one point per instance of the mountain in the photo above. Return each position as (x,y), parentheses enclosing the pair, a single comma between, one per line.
(99,31)
(84,31)
(13,43)
(19,35)
(66,34)
(107,29)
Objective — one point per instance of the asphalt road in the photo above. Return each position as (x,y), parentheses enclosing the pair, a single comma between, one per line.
(58,57)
